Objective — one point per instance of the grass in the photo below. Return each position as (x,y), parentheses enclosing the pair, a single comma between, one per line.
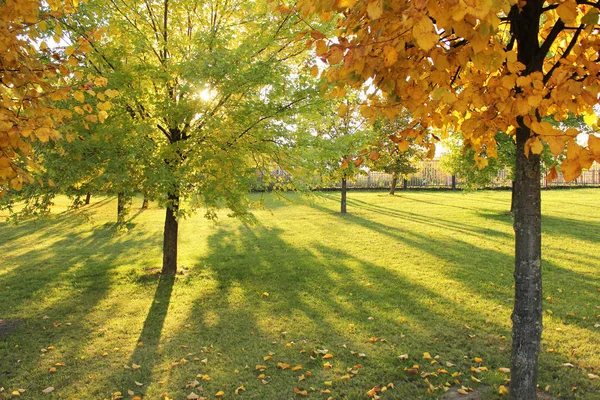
(414,273)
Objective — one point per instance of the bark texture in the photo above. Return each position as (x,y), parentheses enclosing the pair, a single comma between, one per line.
(171,232)
(343,202)
(527,312)
(88,197)
(145,203)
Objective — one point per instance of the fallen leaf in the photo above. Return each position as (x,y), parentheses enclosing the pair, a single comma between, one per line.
(297,368)
(475,379)
(426,355)
(52,370)
(193,396)
(569,365)
(48,389)
(139,383)
(327,356)
(462,391)
(135,366)
(478,360)
(327,365)
(505,370)
(240,389)
(502,390)
(220,393)
(300,392)
(403,356)
(283,366)
(592,376)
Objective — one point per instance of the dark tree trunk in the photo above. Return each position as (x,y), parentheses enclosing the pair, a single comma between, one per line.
(454,182)
(88,197)
(122,207)
(394,183)
(344,190)
(145,203)
(405,184)
(170,236)
(527,312)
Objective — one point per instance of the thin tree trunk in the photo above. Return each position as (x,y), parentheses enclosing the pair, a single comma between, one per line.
(145,203)
(454,182)
(394,183)
(88,197)
(405,184)
(122,207)
(169,266)
(343,203)
(527,312)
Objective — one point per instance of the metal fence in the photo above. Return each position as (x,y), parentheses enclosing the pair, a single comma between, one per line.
(431,175)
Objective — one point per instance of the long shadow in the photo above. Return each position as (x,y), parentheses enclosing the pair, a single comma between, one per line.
(327,290)
(147,352)
(54,281)
(324,291)
(464,262)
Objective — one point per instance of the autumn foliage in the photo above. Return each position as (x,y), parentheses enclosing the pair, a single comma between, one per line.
(455,66)
(35,77)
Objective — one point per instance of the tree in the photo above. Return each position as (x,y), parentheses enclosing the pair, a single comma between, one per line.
(339,141)
(397,157)
(460,161)
(478,68)
(210,82)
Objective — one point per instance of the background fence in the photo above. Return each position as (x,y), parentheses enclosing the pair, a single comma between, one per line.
(431,175)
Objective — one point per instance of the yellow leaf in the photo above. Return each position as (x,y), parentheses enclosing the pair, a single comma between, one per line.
(424,32)
(327,356)
(570,170)
(426,355)
(390,55)
(79,96)
(297,368)
(102,115)
(240,389)
(342,110)
(220,393)
(507,370)
(48,389)
(567,11)
(503,390)
(283,366)
(314,71)
(375,9)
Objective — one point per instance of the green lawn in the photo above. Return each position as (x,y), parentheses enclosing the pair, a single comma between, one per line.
(418,272)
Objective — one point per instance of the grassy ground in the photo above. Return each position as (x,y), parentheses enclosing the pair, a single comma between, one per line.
(418,272)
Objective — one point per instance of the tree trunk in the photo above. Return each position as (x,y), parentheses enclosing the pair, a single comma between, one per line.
(344,189)
(122,207)
(88,197)
(527,312)
(454,182)
(394,182)
(169,266)
(145,203)
(405,184)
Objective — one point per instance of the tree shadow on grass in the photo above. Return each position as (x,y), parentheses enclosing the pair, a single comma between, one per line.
(53,285)
(325,297)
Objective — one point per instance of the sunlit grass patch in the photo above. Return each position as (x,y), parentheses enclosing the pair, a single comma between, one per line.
(420,272)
